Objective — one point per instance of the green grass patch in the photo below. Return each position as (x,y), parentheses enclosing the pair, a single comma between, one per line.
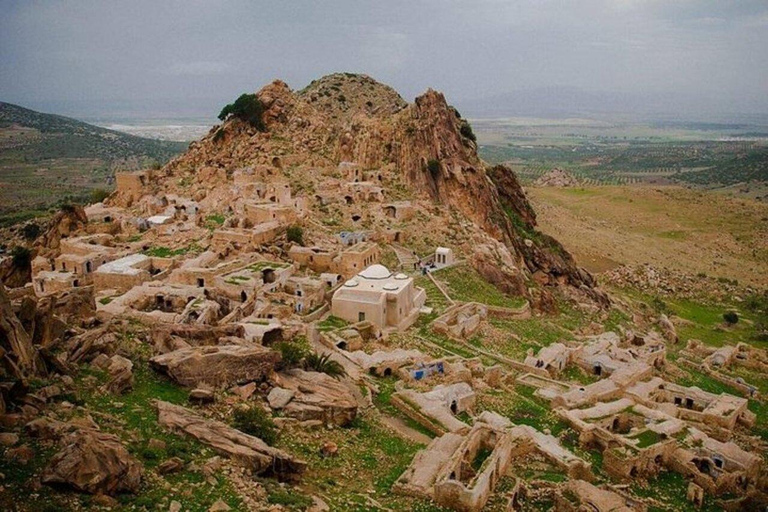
(464,284)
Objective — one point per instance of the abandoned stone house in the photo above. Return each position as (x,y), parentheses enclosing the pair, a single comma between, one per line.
(259,213)
(98,213)
(124,273)
(362,192)
(400,210)
(448,471)
(133,185)
(317,259)
(302,294)
(80,257)
(352,260)
(436,409)
(553,359)
(693,404)
(390,301)
(638,441)
(461,320)
(155,302)
(578,495)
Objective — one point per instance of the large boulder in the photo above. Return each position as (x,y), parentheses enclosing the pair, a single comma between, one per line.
(120,371)
(222,366)
(94,462)
(316,396)
(247,450)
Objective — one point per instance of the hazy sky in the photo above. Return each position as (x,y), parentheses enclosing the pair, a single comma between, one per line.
(155,55)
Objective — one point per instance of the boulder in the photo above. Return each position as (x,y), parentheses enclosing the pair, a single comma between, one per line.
(171,465)
(222,366)
(120,371)
(94,462)
(668,330)
(9,438)
(316,396)
(87,346)
(279,397)
(244,449)
(201,396)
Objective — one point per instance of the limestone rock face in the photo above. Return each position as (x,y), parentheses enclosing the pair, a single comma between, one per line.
(242,448)
(316,396)
(94,462)
(221,366)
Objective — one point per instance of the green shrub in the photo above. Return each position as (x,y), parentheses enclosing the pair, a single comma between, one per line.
(97,195)
(295,234)
(30,231)
(256,422)
(21,257)
(292,354)
(323,364)
(731,317)
(288,498)
(247,108)
(466,131)
(433,166)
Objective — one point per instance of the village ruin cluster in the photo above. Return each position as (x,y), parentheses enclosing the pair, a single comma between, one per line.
(332,301)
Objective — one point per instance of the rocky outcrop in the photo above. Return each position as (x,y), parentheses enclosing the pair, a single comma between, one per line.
(94,462)
(313,396)
(222,366)
(63,224)
(86,346)
(557,178)
(244,449)
(20,358)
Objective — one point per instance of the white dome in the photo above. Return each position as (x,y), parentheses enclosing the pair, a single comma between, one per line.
(375,272)
(351,283)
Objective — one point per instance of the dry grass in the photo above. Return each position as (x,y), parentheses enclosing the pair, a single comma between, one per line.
(686,230)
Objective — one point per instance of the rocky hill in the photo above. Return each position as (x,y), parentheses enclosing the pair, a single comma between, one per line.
(420,151)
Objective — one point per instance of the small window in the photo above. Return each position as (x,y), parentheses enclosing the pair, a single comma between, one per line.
(360,316)
(200,282)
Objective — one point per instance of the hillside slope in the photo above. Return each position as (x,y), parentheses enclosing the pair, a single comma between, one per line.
(45,158)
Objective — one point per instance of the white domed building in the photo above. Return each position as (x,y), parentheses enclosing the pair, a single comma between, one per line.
(390,301)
